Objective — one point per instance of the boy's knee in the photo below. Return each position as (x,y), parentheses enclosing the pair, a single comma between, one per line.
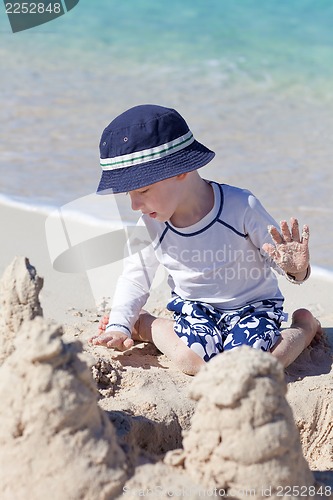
(188,361)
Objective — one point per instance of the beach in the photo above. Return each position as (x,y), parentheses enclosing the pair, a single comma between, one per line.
(254,82)
(140,392)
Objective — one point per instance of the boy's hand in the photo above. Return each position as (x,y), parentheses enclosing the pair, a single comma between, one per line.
(114,340)
(290,252)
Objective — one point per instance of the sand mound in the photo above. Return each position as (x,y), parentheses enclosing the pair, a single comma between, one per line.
(163,481)
(147,403)
(54,438)
(243,437)
(19,301)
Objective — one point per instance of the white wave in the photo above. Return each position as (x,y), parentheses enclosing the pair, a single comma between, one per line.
(78,215)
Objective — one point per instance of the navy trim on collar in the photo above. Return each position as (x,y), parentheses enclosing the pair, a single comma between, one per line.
(195,233)
(161,237)
(232,228)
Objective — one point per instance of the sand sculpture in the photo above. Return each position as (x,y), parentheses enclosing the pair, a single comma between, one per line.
(243,438)
(55,441)
(19,300)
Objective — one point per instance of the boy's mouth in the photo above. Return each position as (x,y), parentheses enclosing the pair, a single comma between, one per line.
(153,215)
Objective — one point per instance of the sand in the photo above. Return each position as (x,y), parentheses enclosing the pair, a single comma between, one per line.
(81,421)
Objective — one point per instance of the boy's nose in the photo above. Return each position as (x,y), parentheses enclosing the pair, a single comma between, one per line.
(135,202)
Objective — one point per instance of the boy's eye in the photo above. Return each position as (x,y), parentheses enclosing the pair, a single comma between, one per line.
(143,192)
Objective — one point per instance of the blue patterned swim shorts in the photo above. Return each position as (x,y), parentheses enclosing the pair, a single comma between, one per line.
(209,331)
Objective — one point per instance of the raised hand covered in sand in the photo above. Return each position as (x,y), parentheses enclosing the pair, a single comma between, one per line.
(290,250)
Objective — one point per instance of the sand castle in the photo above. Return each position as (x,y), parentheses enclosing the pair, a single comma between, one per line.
(19,301)
(243,438)
(57,442)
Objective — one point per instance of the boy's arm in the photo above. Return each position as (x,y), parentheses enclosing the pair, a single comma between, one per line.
(132,292)
(289,253)
(133,286)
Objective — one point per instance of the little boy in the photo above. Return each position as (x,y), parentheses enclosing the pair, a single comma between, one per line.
(217,243)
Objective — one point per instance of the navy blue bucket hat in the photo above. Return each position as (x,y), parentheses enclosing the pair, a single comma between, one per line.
(147,144)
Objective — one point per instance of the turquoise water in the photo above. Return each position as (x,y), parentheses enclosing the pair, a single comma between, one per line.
(253,78)
(288,39)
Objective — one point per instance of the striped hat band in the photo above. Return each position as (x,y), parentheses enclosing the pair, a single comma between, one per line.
(147,155)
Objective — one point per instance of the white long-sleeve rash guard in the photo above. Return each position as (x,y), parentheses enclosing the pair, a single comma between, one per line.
(219,260)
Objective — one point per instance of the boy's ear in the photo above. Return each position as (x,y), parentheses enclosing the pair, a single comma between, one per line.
(182,176)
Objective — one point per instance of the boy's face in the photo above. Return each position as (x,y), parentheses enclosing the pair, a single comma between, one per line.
(159,200)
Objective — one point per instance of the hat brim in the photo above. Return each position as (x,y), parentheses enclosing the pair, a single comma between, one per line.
(122,180)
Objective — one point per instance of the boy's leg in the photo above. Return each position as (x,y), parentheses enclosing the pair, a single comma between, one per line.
(303,329)
(160,331)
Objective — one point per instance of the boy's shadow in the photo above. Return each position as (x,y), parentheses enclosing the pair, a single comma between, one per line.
(141,355)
